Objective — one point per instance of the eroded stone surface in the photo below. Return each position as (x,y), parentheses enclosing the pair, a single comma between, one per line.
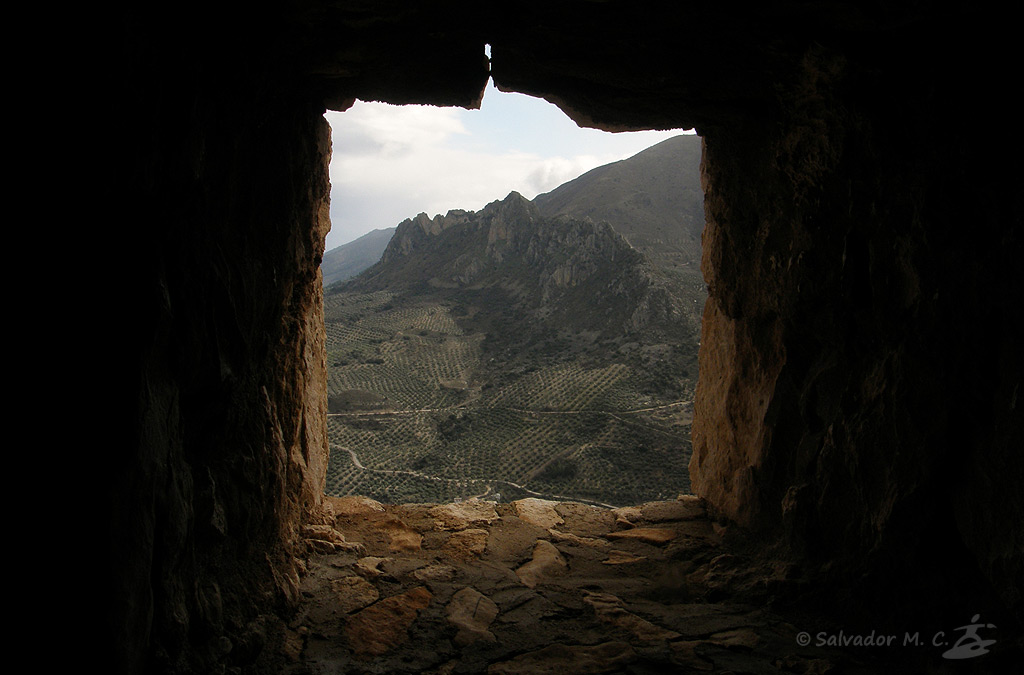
(539,512)
(649,535)
(353,593)
(326,539)
(627,515)
(354,506)
(559,659)
(610,609)
(384,625)
(462,515)
(370,566)
(472,613)
(505,595)
(466,544)
(546,563)
(684,508)
(436,572)
(401,536)
(617,557)
(593,542)
(585,520)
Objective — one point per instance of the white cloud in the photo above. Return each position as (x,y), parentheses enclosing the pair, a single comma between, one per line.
(390,130)
(393,162)
(554,171)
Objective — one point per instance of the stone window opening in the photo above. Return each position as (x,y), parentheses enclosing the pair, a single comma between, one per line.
(358,425)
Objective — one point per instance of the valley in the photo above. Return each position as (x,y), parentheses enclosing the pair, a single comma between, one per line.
(415,416)
(510,353)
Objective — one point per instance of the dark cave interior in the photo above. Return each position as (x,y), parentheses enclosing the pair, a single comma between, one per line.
(860,363)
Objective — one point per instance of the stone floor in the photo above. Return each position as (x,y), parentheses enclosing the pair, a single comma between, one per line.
(541,587)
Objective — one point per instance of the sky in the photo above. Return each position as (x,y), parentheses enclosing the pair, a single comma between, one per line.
(394,162)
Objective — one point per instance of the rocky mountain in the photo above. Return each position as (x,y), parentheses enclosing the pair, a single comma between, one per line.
(348,260)
(524,349)
(654,199)
(562,273)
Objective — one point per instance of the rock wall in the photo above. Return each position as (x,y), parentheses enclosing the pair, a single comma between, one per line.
(225,189)
(857,369)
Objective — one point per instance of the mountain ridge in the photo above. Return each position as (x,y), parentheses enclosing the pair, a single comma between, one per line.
(548,267)
(517,349)
(348,260)
(653,198)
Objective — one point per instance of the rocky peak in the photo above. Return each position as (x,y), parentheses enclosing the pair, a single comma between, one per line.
(412,233)
(500,219)
(551,266)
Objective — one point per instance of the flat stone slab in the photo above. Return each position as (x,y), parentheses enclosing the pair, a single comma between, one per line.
(384,625)
(462,515)
(466,544)
(649,535)
(560,659)
(370,566)
(684,653)
(617,557)
(436,572)
(401,536)
(354,506)
(700,619)
(352,593)
(534,609)
(546,562)
(609,609)
(592,542)
(684,508)
(584,519)
(539,512)
(739,637)
(472,613)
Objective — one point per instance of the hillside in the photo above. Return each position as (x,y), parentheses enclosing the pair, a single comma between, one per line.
(503,352)
(655,200)
(562,274)
(348,260)
(528,348)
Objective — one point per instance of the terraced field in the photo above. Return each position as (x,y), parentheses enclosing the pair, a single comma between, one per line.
(416,416)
